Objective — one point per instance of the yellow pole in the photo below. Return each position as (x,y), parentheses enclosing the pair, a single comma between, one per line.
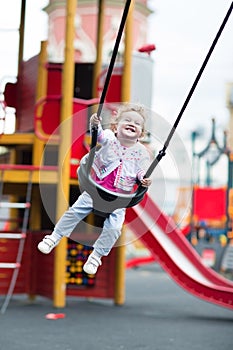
(21,46)
(64,151)
(99,45)
(14,212)
(97,70)
(42,72)
(125,96)
(21,33)
(40,92)
(119,297)
(38,145)
(229,89)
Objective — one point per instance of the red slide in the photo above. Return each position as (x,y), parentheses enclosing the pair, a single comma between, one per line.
(167,244)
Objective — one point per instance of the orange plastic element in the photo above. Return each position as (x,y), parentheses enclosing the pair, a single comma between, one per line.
(230,204)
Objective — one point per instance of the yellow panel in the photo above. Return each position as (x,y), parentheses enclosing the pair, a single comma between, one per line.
(17,139)
(22,176)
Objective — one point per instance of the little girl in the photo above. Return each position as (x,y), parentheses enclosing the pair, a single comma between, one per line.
(118,164)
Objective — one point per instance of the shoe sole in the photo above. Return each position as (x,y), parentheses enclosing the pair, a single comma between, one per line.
(41,249)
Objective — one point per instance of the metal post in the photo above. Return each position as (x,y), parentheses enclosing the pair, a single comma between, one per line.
(64,150)
(99,46)
(21,33)
(41,91)
(125,96)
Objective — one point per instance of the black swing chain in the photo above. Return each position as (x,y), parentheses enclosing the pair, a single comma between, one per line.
(94,130)
(162,152)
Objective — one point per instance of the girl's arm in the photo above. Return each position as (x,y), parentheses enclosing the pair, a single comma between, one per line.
(146,182)
(103,135)
(96,121)
(144,165)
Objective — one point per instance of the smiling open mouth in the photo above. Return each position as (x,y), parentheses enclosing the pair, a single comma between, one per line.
(130,128)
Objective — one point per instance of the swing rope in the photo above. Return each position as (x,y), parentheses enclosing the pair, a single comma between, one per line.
(107,199)
(162,152)
(94,130)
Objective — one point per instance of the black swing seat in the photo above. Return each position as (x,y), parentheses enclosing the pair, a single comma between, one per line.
(105,201)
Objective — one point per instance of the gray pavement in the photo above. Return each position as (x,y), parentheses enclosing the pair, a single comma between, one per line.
(157,315)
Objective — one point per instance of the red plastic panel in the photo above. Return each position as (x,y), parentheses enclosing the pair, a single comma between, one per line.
(209,203)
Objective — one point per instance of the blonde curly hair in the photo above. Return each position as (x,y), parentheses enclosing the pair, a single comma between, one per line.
(127,107)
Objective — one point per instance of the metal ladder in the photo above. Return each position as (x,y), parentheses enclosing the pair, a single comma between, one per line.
(21,236)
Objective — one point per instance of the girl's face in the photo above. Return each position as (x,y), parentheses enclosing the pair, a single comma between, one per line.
(130,126)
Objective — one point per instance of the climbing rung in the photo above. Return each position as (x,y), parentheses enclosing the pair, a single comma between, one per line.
(15,205)
(12,235)
(9,265)
(18,234)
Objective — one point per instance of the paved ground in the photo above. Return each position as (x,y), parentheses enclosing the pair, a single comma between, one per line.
(157,315)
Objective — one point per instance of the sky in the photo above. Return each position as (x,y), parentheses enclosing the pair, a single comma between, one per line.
(35,32)
(182,32)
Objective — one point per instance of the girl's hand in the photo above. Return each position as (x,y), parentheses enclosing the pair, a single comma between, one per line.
(146,182)
(95,120)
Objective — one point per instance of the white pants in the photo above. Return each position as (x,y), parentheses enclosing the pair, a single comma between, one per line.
(80,209)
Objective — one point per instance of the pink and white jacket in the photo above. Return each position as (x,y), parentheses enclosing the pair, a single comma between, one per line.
(131,162)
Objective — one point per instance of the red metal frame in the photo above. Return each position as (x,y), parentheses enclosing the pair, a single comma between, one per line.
(47,121)
(42,267)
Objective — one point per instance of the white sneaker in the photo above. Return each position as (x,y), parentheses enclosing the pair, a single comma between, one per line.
(92,264)
(47,244)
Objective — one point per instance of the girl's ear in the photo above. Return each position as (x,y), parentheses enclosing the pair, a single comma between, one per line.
(114,127)
(142,135)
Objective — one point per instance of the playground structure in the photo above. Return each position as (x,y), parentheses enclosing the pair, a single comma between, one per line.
(45,150)
(208,224)
(60,273)
(211,224)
